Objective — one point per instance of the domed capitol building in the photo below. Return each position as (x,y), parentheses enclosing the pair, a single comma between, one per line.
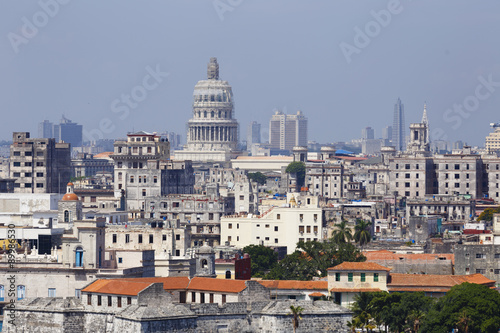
(212,131)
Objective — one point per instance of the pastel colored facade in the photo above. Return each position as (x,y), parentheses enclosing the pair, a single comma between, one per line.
(279,226)
(350,278)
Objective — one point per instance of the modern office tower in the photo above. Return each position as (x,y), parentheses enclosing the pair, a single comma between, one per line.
(398,127)
(45,129)
(212,131)
(253,134)
(387,133)
(68,132)
(39,165)
(367,133)
(287,131)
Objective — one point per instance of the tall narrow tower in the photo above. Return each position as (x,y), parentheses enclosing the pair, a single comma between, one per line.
(425,121)
(398,127)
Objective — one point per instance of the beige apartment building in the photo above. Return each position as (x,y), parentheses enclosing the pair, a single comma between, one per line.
(300,220)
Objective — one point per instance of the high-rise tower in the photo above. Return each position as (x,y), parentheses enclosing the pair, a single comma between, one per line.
(212,131)
(287,130)
(398,127)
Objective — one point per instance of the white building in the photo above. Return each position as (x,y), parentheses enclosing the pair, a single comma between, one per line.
(300,220)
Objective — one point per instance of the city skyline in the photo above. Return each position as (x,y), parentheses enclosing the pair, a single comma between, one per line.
(330,71)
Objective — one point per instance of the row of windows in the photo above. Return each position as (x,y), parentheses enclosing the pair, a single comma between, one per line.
(28,185)
(308,229)
(202,298)
(28,153)
(20,292)
(27,174)
(110,300)
(350,277)
(141,179)
(140,238)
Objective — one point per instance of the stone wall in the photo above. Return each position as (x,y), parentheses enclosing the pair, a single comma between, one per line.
(44,315)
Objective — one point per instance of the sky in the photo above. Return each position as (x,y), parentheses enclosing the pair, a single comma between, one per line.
(117,66)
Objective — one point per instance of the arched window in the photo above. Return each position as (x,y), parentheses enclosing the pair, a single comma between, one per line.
(228,274)
(212,114)
(66,216)
(2,293)
(79,257)
(205,114)
(204,263)
(21,292)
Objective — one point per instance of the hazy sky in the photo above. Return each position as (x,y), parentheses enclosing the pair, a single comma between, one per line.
(343,63)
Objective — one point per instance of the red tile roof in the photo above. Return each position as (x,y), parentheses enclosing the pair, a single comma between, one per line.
(293,284)
(359,266)
(116,287)
(316,294)
(435,281)
(169,283)
(219,285)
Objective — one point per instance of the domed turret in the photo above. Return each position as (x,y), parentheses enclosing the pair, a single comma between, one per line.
(70,193)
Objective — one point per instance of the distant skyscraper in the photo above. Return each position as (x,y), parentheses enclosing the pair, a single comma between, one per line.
(398,127)
(253,134)
(68,132)
(387,133)
(367,133)
(287,131)
(45,129)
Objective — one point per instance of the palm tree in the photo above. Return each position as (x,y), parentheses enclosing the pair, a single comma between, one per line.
(362,235)
(296,312)
(343,233)
(353,324)
(415,319)
(463,321)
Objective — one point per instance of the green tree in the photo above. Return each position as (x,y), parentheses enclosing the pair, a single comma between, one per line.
(487,214)
(472,306)
(263,259)
(258,177)
(313,258)
(299,168)
(342,233)
(296,311)
(362,233)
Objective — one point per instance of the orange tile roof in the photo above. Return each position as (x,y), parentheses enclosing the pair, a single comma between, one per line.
(116,287)
(294,284)
(388,255)
(219,285)
(316,294)
(169,283)
(354,290)
(359,266)
(425,280)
